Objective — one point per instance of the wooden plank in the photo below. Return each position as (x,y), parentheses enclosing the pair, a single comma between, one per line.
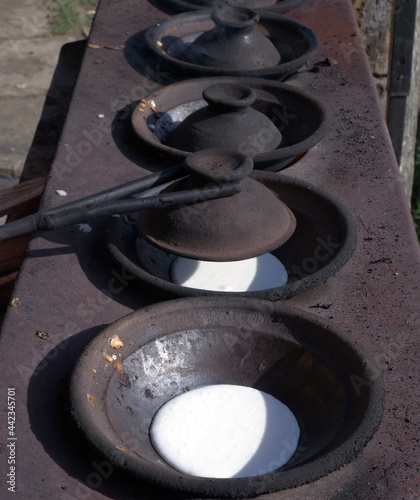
(7,284)
(21,198)
(11,253)
(16,202)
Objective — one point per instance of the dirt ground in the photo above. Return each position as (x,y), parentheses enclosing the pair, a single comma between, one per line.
(28,56)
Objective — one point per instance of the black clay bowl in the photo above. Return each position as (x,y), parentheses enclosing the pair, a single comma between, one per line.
(323,241)
(295,42)
(323,375)
(300,117)
(277,6)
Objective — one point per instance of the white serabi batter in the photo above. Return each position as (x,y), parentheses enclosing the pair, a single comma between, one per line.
(225,431)
(258,273)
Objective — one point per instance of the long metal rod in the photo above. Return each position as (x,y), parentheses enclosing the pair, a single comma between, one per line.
(124,190)
(48,220)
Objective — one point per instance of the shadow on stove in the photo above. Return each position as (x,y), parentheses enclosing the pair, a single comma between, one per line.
(129,144)
(143,60)
(51,423)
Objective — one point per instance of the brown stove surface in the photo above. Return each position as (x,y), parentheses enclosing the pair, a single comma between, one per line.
(70,290)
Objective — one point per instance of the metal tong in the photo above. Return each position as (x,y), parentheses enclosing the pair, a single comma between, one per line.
(117,200)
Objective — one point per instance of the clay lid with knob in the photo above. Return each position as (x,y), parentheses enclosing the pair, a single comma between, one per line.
(245,225)
(233,43)
(227,122)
